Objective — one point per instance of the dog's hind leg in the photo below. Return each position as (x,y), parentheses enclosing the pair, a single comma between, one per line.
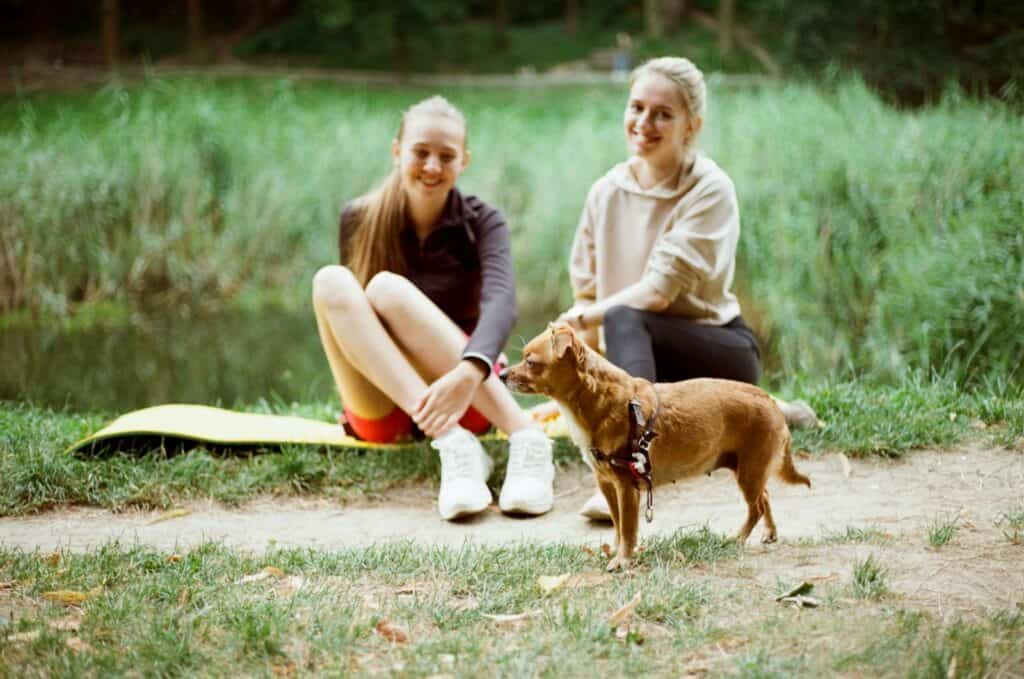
(751,481)
(770,534)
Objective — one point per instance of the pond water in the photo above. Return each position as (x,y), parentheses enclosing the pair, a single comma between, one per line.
(225,359)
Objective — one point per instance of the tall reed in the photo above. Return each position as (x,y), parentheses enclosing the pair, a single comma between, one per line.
(874,240)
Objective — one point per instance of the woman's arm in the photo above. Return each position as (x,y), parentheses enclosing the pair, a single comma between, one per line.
(640,295)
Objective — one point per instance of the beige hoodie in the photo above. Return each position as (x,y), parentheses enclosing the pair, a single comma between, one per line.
(680,237)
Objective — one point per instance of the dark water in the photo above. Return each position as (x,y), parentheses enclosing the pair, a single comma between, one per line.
(225,359)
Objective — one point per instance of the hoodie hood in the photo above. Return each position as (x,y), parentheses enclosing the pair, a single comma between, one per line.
(622,176)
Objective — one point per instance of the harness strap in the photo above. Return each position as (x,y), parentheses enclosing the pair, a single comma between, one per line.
(636,457)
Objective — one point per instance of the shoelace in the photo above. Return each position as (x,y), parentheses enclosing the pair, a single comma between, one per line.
(528,458)
(457,461)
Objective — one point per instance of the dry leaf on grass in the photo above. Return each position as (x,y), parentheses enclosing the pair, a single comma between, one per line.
(606,549)
(78,646)
(7,586)
(172,514)
(268,572)
(464,603)
(22,637)
(69,597)
(51,559)
(68,623)
(549,583)
(183,597)
(174,558)
(392,633)
(285,669)
(502,618)
(801,601)
(803,588)
(625,612)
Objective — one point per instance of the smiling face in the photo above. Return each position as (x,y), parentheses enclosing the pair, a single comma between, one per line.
(431,155)
(657,123)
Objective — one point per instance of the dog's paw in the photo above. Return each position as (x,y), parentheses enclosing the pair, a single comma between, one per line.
(619,563)
(769,538)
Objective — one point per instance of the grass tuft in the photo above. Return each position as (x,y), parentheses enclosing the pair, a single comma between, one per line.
(869,578)
(942,529)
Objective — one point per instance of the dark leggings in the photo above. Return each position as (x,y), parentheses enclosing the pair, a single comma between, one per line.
(668,348)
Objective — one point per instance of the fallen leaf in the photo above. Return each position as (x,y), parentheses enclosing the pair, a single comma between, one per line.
(7,586)
(66,596)
(78,646)
(511,617)
(392,633)
(588,550)
(174,558)
(844,462)
(803,588)
(606,549)
(183,597)
(68,623)
(51,559)
(411,588)
(20,637)
(625,612)
(549,583)
(172,514)
(801,601)
(465,603)
(286,669)
(268,572)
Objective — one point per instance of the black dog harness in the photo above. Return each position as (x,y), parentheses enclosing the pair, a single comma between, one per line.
(635,456)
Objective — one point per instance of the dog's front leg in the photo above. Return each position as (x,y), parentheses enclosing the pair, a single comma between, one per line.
(627,525)
(607,487)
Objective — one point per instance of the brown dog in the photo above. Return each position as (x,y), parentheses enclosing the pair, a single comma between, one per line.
(698,425)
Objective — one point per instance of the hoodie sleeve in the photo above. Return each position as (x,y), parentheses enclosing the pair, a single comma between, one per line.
(701,240)
(582,262)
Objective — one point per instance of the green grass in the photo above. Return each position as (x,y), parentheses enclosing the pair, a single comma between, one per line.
(1011,522)
(860,420)
(943,529)
(318,614)
(875,241)
(869,578)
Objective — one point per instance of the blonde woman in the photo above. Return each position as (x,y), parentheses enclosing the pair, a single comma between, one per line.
(414,319)
(654,254)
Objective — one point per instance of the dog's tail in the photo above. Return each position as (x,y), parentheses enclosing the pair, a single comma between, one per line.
(787,472)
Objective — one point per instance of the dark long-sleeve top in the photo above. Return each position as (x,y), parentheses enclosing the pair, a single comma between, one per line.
(464,266)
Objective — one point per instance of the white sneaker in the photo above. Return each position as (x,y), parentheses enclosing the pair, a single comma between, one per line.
(529,481)
(596,508)
(465,467)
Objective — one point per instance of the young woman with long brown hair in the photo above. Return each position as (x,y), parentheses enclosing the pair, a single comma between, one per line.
(415,317)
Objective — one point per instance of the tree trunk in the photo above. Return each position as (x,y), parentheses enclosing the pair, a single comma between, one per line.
(111,14)
(726,26)
(195,26)
(572,16)
(501,24)
(652,19)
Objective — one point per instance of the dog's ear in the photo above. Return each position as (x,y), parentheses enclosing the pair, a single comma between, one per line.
(562,339)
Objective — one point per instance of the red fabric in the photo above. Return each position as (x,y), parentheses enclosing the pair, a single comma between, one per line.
(397,425)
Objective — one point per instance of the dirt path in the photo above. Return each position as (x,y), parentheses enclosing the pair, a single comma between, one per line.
(898,498)
(979,570)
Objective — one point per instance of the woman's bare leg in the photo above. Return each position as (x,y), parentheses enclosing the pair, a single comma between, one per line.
(371,372)
(435,344)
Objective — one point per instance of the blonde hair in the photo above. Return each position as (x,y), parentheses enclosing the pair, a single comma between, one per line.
(376,244)
(689,82)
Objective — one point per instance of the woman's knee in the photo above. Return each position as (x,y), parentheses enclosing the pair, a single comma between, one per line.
(335,287)
(389,292)
(622,319)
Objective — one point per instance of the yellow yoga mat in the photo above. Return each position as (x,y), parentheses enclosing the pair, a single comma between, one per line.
(225,427)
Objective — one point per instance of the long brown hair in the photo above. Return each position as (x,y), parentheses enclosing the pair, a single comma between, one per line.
(375,244)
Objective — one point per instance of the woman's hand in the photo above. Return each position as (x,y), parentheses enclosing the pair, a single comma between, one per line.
(447,399)
(573,316)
